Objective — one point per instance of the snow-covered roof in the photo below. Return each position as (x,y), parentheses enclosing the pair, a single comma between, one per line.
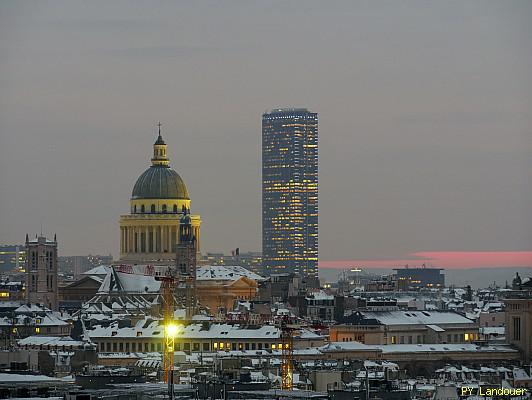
(492,330)
(6,378)
(125,282)
(50,341)
(225,273)
(321,295)
(32,308)
(417,317)
(100,270)
(454,347)
(152,328)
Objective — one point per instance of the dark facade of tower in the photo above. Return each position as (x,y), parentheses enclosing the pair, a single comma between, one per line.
(41,272)
(290,192)
(186,262)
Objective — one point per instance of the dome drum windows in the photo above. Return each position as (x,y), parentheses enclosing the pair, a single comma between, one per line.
(152,208)
(164,208)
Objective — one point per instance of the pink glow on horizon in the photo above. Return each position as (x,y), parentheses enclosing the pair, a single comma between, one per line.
(444,259)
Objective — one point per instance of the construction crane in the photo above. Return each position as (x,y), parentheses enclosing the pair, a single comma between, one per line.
(168,283)
(287,352)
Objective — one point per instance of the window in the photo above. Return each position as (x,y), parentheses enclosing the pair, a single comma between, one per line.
(159,346)
(394,340)
(108,347)
(114,346)
(142,208)
(152,208)
(516,322)
(121,346)
(206,347)
(133,347)
(164,208)
(186,347)
(449,339)
(37,330)
(175,208)
(135,209)
(409,339)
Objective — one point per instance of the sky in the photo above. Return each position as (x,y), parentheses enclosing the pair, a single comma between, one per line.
(425,120)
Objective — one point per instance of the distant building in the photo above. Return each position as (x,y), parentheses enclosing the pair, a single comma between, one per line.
(218,287)
(290,192)
(12,258)
(77,265)
(251,260)
(519,321)
(146,335)
(383,284)
(418,278)
(406,327)
(41,272)
(11,290)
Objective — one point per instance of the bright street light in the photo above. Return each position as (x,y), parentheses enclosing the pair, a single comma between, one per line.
(171,330)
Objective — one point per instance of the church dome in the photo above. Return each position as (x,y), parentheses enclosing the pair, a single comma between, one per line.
(160,182)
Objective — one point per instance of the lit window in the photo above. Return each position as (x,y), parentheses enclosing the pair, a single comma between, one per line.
(37,330)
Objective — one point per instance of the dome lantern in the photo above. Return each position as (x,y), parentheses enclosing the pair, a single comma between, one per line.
(159,151)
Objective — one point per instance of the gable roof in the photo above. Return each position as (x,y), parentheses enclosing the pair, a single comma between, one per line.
(123,282)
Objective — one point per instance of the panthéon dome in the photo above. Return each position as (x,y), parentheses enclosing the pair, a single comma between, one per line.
(159,181)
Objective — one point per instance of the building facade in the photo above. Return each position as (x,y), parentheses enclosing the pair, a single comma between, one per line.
(150,232)
(12,258)
(417,278)
(519,323)
(290,192)
(406,327)
(41,272)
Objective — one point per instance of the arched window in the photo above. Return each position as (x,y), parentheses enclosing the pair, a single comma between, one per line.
(164,208)
(153,208)
(135,209)
(175,208)
(142,209)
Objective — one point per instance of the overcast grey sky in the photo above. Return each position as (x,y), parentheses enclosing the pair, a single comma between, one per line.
(425,113)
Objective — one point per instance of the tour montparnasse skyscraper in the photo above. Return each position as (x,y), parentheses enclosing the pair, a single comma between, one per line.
(290,192)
